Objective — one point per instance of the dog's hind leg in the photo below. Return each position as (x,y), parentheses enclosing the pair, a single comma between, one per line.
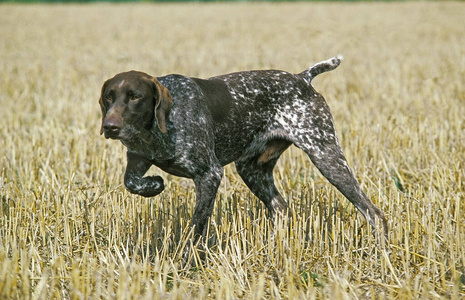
(257,173)
(321,144)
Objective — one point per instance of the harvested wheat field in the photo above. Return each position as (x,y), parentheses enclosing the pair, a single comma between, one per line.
(70,230)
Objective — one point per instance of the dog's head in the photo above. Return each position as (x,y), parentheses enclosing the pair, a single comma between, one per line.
(133,100)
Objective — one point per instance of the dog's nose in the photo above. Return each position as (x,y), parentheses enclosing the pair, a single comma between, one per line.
(111,127)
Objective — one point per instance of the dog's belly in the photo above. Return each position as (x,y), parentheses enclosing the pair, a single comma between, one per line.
(229,149)
(246,138)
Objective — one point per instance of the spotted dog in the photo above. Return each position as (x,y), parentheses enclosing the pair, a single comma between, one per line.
(192,127)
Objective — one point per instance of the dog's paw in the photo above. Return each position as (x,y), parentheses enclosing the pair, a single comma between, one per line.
(155,185)
(146,186)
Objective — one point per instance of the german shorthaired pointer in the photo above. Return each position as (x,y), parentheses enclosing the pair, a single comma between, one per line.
(192,127)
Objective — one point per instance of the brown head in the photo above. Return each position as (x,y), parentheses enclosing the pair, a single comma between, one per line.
(133,99)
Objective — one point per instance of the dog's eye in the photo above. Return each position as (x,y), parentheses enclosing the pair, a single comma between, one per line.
(108,97)
(133,96)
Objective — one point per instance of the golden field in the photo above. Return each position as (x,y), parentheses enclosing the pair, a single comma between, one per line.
(70,230)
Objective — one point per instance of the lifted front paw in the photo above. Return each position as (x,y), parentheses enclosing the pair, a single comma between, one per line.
(157,185)
(146,186)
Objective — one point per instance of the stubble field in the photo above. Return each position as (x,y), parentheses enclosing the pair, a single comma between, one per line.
(70,230)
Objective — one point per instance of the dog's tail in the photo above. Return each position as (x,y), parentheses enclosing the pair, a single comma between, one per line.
(321,67)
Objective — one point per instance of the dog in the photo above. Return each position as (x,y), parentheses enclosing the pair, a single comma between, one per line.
(192,127)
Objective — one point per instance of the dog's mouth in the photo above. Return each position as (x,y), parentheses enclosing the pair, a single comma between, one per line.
(109,134)
(120,134)
(127,133)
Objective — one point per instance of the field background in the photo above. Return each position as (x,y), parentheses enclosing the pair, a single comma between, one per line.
(69,229)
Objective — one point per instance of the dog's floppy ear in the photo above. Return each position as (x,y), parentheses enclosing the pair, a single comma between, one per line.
(163,103)
(102,105)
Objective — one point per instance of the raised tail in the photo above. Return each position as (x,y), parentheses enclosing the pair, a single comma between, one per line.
(321,67)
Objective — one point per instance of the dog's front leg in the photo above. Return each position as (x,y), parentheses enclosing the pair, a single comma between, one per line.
(134,181)
(206,185)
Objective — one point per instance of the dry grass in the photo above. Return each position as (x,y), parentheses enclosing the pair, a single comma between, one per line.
(69,229)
